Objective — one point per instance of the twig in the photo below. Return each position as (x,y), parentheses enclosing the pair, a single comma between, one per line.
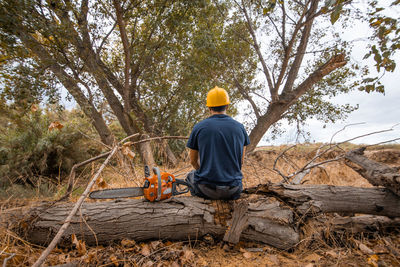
(8,258)
(93,139)
(302,172)
(276,160)
(159,138)
(128,137)
(348,125)
(384,142)
(72,173)
(64,227)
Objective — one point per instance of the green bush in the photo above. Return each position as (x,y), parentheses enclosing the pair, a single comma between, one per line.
(30,151)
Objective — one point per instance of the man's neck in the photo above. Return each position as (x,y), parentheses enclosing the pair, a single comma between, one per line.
(218,113)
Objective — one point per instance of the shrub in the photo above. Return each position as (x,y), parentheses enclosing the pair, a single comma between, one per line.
(30,151)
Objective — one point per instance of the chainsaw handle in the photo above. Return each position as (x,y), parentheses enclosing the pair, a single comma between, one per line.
(156,171)
(176,190)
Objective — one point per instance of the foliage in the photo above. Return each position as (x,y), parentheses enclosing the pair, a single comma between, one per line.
(149,64)
(32,153)
(291,42)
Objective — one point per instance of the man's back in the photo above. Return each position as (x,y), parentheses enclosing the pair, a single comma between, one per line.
(219,140)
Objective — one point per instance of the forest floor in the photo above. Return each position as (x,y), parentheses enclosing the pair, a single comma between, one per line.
(379,249)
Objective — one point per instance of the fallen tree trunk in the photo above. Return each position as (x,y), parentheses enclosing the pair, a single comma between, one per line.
(313,199)
(262,219)
(376,173)
(362,224)
(180,218)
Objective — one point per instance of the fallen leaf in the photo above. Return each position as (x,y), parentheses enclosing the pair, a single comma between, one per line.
(373,260)
(310,265)
(247,255)
(168,243)
(90,257)
(365,249)
(145,250)
(79,244)
(128,243)
(175,264)
(101,183)
(34,108)
(114,260)
(274,259)
(149,263)
(74,240)
(201,261)
(155,244)
(55,125)
(128,152)
(187,256)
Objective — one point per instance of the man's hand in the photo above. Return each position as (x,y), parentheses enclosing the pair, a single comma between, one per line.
(194,158)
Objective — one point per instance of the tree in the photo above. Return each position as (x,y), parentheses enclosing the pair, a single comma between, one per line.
(136,55)
(153,62)
(301,60)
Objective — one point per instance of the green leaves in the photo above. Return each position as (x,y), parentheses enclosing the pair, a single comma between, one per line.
(269,7)
(336,13)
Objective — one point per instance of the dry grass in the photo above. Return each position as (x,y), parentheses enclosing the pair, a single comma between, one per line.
(320,250)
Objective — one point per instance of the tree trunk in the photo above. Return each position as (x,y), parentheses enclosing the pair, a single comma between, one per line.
(260,219)
(376,173)
(313,199)
(171,159)
(146,152)
(289,97)
(179,218)
(363,224)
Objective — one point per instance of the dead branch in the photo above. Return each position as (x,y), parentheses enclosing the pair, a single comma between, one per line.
(72,174)
(315,199)
(299,175)
(276,161)
(378,174)
(67,221)
(159,138)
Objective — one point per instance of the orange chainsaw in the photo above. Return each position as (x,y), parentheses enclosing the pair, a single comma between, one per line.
(160,186)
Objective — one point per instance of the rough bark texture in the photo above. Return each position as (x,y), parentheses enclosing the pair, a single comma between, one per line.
(363,224)
(376,173)
(179,218)
(312,199)
(239,222)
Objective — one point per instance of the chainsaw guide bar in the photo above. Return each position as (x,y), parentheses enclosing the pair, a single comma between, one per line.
(117,193)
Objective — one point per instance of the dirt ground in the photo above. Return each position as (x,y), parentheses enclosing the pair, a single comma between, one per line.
(379,249)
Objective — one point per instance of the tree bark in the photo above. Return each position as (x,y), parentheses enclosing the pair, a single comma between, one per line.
(376,173)
(314,199)
(261,219)
(171,159)
(179,218)
(363,224)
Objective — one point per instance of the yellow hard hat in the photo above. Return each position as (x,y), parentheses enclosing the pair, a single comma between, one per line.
(217,97)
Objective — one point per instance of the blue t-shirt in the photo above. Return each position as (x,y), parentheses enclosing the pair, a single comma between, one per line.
(220,141)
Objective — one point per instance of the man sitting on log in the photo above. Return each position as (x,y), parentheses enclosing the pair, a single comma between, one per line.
(217,147)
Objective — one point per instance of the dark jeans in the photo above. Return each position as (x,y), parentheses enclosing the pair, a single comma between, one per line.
(212,191)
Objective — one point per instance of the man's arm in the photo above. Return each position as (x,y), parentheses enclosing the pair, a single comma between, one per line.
(244,152)
(194,158)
